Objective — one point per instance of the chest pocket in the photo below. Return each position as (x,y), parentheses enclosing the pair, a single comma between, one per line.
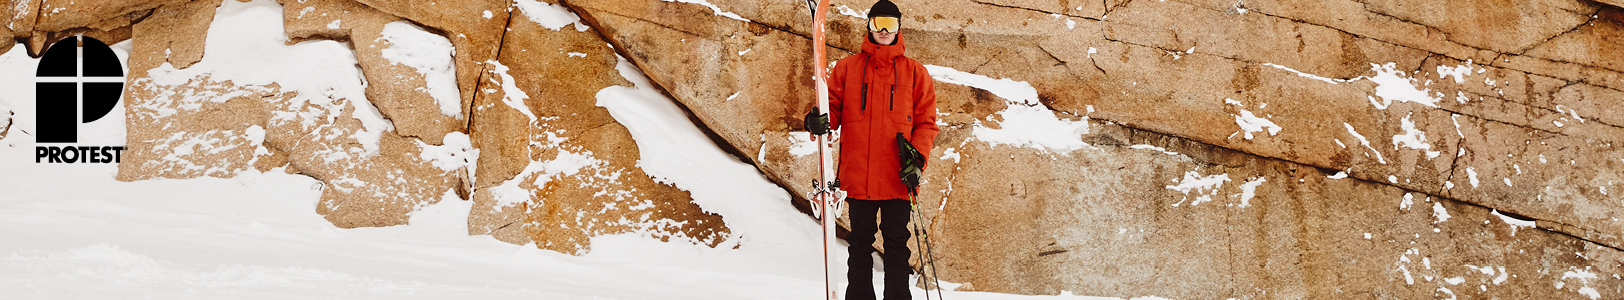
(900,98)
(856,101)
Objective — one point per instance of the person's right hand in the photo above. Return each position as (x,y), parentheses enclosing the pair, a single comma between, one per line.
(817,123)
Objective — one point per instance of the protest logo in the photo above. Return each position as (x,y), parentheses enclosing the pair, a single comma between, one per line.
(62,80)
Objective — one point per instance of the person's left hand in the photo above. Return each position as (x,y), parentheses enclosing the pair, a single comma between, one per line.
(910,177)
(912,162)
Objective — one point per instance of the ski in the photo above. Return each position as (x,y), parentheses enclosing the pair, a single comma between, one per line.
(824,200)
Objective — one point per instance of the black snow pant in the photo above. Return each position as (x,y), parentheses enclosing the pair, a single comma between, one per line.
(894,215)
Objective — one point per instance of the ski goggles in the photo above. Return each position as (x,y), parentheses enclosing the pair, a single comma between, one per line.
(888,24)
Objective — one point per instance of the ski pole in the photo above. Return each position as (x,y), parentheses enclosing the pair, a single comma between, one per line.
(918,241)
(929,251)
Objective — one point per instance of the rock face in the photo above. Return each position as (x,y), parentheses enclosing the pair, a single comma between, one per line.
(555,168)
(384,120)
(475,27)
(177,29)
(1092,219)
(186,123)
(423,91)
(55,16)
(6,32)
(1190,149)
(38,22)
(1493,114)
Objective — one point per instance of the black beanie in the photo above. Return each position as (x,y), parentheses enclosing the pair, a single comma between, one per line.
(884,8)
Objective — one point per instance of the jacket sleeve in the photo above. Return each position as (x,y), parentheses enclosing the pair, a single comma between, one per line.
(924,114)
(836,90)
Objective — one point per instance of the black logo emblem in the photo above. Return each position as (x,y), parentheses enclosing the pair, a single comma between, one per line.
(61,78)
(58,87)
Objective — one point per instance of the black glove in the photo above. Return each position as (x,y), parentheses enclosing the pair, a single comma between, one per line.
(910,177)
(817,123)
(912,163)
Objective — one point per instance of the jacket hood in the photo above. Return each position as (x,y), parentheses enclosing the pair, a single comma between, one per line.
(883,55)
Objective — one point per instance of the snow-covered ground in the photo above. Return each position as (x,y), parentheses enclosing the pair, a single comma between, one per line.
(69,231)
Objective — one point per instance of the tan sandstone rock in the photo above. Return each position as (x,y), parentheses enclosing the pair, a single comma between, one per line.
(556,169)
(476,38)
(403,93)
(1100,222)
(56,16)
(1180,85)
(227,135)
(6,37)
(16,11)
(1492,25)
(38,23)
(214,127)
(1179,75)
(22,15)
(174,33)
(1498,176)
(1590,43)
(739,53)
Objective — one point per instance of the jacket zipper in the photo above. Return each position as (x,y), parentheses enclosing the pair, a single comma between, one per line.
(893,104)
(865,84)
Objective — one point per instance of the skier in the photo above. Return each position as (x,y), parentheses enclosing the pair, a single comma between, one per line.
(884,103)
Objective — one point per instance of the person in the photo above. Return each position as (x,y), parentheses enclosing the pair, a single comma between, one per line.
(884,105)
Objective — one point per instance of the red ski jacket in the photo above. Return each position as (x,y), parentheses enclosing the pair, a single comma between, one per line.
(873,95)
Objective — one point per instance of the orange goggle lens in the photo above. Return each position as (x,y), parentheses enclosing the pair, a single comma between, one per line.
(888,24)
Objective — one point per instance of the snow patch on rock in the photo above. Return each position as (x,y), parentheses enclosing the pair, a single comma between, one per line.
(1514,222)
(1439,213)
(549,15)
(1584,277)
(1460,72)
(1018,92)
(511,94)
(844,10)
(247,46)
(801,143)
(431,55)
(1152,147)
(1394,85)
(1249,189)
(673,150)
(1413,138)
(457,152)
(1471,174)
(1193,181)
(1250,123)
(1034,127)
(1025,122)
(718,11)
(566,163)
(179,146)
(1307,75)
(1365,142)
